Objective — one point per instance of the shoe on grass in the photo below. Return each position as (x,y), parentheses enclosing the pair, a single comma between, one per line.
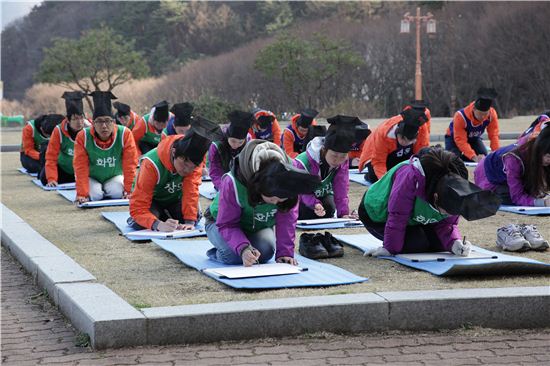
(311,246)
(333,246)
(533,236)
(509,238)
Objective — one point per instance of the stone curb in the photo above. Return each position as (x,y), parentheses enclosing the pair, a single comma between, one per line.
(111,322)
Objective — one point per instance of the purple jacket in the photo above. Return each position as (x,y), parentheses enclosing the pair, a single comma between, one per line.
(409,182)
(228,223)
(340,182)
(514,170)
(215,169)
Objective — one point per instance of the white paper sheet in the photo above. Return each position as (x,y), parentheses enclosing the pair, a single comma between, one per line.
(442,256)
(106,203)
(257,270)
(325,221)
(472,164)
(164,235)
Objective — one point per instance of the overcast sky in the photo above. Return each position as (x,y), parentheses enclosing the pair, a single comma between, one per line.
(14,9)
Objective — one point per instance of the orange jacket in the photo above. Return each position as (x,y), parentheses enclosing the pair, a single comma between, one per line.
(81,162)
(275,127)
(288,137)
(461,136)
(134,118)
(28,142)
(54,147)
(357,153)
(139,131)
(142,196)
(379,145)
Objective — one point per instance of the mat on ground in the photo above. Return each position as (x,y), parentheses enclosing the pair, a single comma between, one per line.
(207,190)
(482,262)
(24,171)
(330,223)
(526,210)
(471,164)
(193,254)
(71,196)
(59,187)
(120,220)
(358,177)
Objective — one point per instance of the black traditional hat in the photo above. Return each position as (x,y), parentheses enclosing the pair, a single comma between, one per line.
(208,128)
(240,123)
(102,103)
(339,138)
(313,131)
(73,103)
(285,181)
(362,132)
(50,121)
(193,146)
(182,114)
(418,104)
(122,109)
(412,120)
(265,120)
(458,196)
(360,128)
(485,97)
(161,111)
(306,117)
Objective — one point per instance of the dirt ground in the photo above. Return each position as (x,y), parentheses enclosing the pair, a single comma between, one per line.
(146,276)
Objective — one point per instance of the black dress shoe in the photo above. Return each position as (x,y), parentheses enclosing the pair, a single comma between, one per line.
(311,246)
(332,245)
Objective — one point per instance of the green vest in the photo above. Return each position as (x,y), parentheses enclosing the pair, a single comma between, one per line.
(37,136)
(169,185)
(105,163)
(376,202)
(66,152)
(325,188)
(150,137)
(253,219)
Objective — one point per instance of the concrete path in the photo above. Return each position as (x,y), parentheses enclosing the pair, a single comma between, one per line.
(33,332)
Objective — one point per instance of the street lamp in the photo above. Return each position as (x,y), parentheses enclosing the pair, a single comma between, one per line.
(430,29)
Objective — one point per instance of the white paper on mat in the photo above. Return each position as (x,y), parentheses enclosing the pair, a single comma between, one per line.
(324,221)
(164,235)
(470,163)
(110,202)
(442,256)
(257,270)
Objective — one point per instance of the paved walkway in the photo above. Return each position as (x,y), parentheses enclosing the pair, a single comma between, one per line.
(34,332)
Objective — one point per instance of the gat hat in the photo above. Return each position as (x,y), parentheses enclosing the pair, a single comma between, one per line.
(412,120)
(485,97)
(360,128)
(306,117)
(73,103)
(102,103)
(50,121)
(458,196)
(161,111)
(122,109)
(208,128)
(240,123)
(339,138)
(182,114)
(194,146)
(284,180)
(265,120)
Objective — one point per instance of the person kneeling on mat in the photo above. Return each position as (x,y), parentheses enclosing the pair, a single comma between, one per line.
(415,207)
(260,192)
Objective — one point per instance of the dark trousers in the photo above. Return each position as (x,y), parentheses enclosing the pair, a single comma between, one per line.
(503,192)
(162,212)
(32,166)
(145,147)
(370,175)
(476,143)
(62,176)
(306,213)
(418,238)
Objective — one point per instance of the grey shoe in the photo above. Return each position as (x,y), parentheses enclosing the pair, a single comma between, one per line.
(509,238)
(533,236)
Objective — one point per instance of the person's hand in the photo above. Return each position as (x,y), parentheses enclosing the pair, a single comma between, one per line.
(288,260)
(126,195)
(353,215)
(461,249)
(547,202)
(81,199)
(186,227)
(319,210)
(478,158)
(53,183)
(250,256)
(355,162)
(168,225)
(376,252)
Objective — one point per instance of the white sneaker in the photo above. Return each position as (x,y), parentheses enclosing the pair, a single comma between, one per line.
(533,236)
(510,238)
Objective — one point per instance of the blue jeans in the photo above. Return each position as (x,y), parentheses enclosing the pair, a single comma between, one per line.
(263,241)
(476,143)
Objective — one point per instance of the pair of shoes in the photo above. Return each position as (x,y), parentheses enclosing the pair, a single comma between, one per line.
(319,246)
(515,238)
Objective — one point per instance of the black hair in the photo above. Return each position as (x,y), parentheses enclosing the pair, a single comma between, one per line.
(258,185)
(436,163)
(180,148)
(226,152)
(536,178)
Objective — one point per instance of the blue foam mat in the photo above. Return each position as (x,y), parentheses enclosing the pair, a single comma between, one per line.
(502,264)
(193,254)
(207,190)
(71,196)
(24,171)
(119,219)
(359,178)
(59,187)
(526,210)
